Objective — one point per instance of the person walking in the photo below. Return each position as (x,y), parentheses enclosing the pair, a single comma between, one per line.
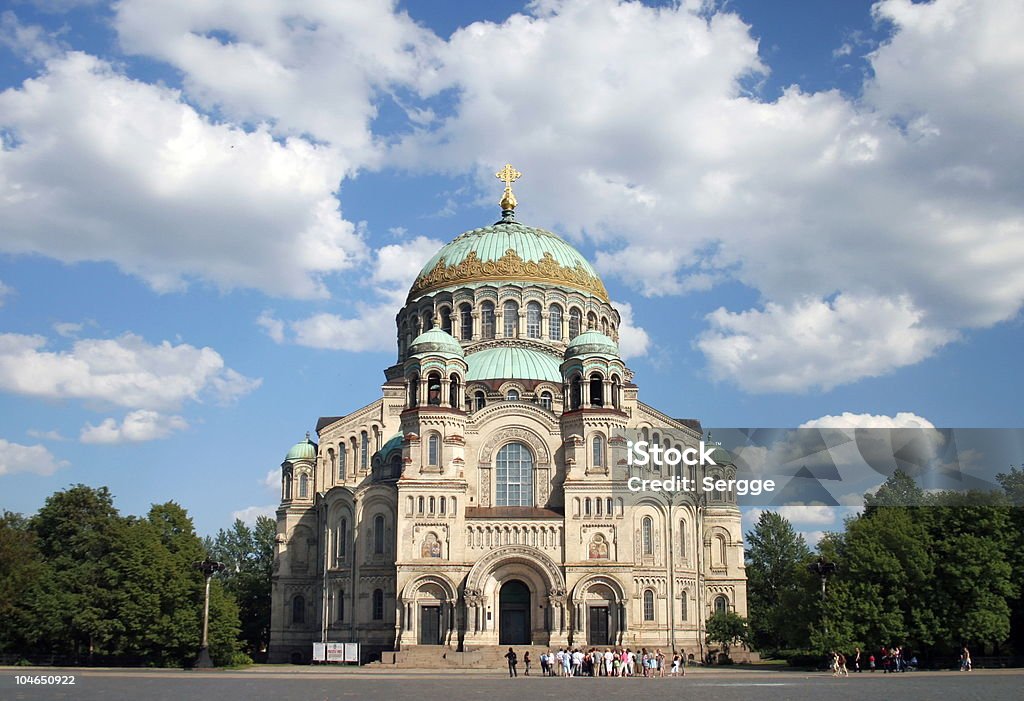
(965,660)
(526,662)
(841,662)
(512,662)
(856,660)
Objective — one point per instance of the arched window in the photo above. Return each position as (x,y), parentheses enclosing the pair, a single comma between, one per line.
(487,320)
(434,450)
(414,390)
(514,484)
(479,400)
(647,529)
(616,400)
(512,395)
(608,506)
(342,540)
(723,553)
(396,466)
(415,326)
(596,390)
(378,604)
(533,320)
(648,605)
(604,325)
(441,507)
(586,506)
(591,321)
(446,319)
(682,539)
(454,391)
(428,321)
(419,504)
(434,389)
(286,486)
(511,319)
(341,605)
(364,450)
(598,451)
(545,400)
(303,486)
(575,320)
(682,608)
(576,392)
(298,609)
(598,506)
(342,456)
(721,604)
(378,534)
(555,322)
(431,502)
(466,322)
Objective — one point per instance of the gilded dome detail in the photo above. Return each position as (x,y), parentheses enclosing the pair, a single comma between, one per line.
(511,268)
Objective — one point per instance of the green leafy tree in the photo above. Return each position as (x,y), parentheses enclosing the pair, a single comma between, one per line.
(727,628)
(780,594)
(21,571)
(249,555)
(73,609)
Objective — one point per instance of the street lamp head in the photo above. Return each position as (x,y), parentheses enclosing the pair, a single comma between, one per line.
(209,567)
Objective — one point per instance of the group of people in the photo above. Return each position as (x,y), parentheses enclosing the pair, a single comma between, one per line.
(612,662)
(893,659)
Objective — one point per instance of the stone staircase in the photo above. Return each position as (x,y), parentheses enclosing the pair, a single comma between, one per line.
(445,657)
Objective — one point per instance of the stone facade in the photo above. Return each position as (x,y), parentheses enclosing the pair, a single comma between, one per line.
(466,510)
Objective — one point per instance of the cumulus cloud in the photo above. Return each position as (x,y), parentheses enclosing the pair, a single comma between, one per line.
(633,340)
(372,327)
(124,371)
(814,343)
(249,514)
(272,480)
(137,426)
(51,435)
(273,326)
(30,42)
(903,419)
(36,459)
(98,166)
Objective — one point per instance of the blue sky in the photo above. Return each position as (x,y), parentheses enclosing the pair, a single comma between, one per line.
(211,213)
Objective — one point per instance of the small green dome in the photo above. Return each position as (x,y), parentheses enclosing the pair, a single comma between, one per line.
(304,450)
(591,343)
(721,456)
(512,364)
(435,341)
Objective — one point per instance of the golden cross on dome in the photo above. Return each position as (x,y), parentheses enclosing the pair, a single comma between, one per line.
(508,175)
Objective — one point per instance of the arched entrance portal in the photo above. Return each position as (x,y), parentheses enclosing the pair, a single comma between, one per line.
(514,613)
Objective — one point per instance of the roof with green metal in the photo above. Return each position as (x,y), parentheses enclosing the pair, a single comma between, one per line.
(512,364)
(590,342)
(304,450)
(435,341)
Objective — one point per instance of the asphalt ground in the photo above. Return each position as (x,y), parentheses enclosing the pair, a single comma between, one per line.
(287,683)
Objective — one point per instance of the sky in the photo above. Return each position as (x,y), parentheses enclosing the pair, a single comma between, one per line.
(807,213)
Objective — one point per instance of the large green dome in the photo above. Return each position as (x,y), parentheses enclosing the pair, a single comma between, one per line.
(512,364)
(508,252)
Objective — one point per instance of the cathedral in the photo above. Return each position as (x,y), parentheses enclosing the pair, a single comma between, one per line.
(481,500)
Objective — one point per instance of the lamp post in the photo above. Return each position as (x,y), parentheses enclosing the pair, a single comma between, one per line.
(209,568)
(823,569)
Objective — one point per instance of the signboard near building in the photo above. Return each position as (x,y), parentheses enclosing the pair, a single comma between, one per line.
(336,652)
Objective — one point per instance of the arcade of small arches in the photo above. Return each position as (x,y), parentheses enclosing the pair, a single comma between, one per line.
(537,313)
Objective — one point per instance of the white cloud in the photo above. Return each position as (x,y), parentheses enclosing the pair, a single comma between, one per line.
(68,328)
(36,459)
(5,291)
(30,42)
(272,480)
(800,515)
(137,426)
(250,513)
(903,419)
(302,67)
(817,343)
(633,340)
(372,328)
(51,435)
(273,326)
(102,167)
(124,371)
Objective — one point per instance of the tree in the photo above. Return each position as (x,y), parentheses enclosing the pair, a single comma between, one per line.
(898,490)
(727,628)
(249,555)
(781,603)
(21,570)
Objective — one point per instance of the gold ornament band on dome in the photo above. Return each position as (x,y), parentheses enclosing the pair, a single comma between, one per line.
(508,175)
(509,268)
